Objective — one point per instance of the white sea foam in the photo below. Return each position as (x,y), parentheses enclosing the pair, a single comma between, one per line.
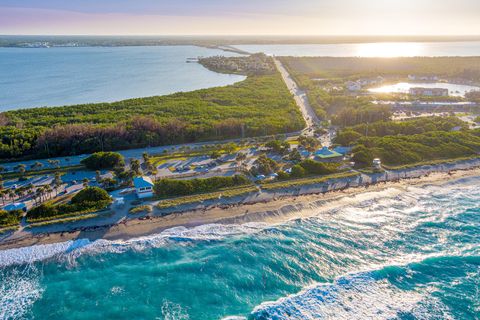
(358,296)
(71,249)
(19,289)
(27,255)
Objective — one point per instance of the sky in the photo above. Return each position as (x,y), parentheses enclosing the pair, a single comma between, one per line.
(240,17)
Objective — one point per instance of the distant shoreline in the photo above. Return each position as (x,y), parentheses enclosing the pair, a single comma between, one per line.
(20,41)
(277,208)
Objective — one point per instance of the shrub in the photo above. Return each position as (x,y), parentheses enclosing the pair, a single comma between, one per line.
(104,160)
(10,218)
(90,194)
(264,165)
(318,168)
(298,171)
(87,200)
(171,187)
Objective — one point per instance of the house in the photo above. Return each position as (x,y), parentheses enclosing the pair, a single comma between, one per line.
(327,155)
(377,163)
(16,206)
(414,77)
(143,187)
(342,150)
(304,153)
(354,86)
(430,92)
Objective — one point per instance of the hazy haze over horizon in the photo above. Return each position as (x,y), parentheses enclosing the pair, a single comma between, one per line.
(248,17)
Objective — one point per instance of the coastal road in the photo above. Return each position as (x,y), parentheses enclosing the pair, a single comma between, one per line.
(300,97)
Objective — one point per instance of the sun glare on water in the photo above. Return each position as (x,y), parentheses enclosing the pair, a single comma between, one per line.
(389,49)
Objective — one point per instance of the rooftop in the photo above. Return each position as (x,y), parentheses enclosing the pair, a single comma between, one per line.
(142,182)
(326,153)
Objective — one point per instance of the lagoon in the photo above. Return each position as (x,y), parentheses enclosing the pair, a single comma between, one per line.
(455,90)
(34,77)
(383,49)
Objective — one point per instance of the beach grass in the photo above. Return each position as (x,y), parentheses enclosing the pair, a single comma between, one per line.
(228,193)
(141,209)
(429,163)
(306,181)
(70,219)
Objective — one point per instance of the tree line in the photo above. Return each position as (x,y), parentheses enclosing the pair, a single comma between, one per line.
(260,105)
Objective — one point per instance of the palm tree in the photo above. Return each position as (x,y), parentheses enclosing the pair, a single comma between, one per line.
(21,168)
(11,194)
(48,191)
(98,176)
(39,193)
(57,182)
(2,195)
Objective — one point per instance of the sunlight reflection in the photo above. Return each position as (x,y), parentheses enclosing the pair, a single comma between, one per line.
(389,49)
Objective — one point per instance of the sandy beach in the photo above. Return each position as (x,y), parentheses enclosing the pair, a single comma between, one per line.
(275,211)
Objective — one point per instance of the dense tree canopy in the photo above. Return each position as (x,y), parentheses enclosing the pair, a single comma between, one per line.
(104,160)
(260,105)
(172,187)
(349,135)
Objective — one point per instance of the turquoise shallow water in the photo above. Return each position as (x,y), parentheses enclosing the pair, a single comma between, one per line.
(407,255)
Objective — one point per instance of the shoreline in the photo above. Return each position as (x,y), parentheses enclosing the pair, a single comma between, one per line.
(277,210)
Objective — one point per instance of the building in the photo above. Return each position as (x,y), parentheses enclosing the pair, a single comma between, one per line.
(377,163)
(327,155)
(354,86)
(342,150)
(414,77)
(143,187)
(429,92)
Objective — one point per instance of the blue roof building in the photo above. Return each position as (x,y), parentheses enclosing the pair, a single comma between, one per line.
(143,187)
(327,154)
(342,150)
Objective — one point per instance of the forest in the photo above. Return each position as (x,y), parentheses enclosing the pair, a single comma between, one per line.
(350,135)
(409,149)
(467,68)
(259,105)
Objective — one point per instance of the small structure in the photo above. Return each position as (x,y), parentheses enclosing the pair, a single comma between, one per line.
(354,86)
(143,187)
(414,77)
(327,155)
(119,202)
(342,150)
(16,206)
(304,153)
(377,163)
(429,92)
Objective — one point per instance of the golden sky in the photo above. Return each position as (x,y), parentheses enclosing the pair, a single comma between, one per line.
(241,17)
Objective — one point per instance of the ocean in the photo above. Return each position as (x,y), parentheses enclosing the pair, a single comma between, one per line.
(37,77)
(408,254)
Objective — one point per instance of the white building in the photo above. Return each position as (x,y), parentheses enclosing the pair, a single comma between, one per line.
(377,163)
(143,187)
(429,92)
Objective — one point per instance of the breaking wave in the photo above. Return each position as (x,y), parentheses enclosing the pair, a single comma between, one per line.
(392,292)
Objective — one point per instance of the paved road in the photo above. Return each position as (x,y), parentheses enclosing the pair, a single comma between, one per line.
(300,98)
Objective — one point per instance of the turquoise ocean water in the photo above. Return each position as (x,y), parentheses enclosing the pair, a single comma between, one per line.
(413,254)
